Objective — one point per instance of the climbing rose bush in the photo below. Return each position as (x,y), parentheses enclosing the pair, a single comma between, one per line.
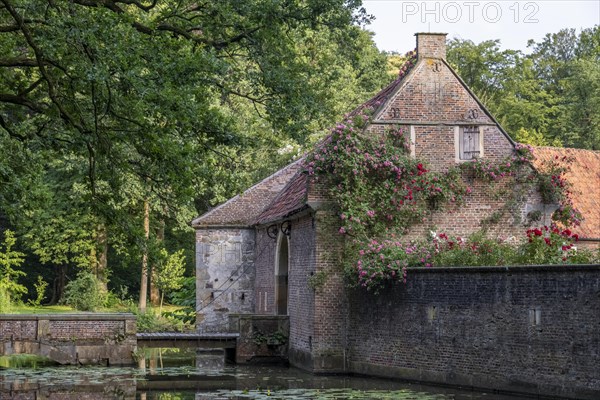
(548,179)
(381,264)
(381,191)
(376,183)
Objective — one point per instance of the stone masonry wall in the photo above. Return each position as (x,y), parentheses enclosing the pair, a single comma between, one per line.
(224,276)
(525,329)
(86,338)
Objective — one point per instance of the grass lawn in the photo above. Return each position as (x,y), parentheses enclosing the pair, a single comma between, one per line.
(25,309)
(61,309)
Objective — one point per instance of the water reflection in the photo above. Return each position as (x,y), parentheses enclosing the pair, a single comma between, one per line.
(170,374)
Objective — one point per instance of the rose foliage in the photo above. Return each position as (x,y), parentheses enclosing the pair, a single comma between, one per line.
(376,183)
(381,191)
(382,263)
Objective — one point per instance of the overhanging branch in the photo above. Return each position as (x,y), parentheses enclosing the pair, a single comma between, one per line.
(21,101)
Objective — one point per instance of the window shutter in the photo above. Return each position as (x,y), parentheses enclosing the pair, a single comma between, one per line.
(469,143)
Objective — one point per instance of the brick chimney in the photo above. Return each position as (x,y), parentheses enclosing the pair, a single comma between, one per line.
(431,45)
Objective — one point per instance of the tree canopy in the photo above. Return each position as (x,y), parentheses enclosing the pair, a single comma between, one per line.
(106,105)
(548,97)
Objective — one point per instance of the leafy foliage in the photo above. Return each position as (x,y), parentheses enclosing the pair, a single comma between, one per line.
(185,297)
(548,178)
(84,293)
(107,105)
(40,291)
(169,272)
(547,97)
(10,261)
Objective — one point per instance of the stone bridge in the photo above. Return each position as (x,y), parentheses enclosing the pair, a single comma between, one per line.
(86,338)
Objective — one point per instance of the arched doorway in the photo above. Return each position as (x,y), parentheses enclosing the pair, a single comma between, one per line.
(282,261)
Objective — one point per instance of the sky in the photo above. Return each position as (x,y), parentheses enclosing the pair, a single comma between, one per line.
(513,22)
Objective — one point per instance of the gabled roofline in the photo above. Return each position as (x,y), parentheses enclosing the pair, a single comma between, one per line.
(223,226)
(196,223)
(483,107)
(298,212)
(303,205)
(400,85)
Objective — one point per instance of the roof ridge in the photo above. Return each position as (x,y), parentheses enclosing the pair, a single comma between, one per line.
(260,218)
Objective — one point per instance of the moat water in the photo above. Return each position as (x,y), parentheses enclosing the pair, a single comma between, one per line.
(180,375)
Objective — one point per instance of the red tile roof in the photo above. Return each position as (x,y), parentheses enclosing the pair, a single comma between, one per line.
(243,209)
(289,201)
(584,177)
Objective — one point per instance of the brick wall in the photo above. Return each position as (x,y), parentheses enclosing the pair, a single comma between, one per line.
(526,329)
(86,338)
(67,330)
(265,273)
(17,329)
(301,301)
(432,94)
(330,301)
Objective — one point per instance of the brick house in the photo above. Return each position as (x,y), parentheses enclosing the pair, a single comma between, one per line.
(256,252)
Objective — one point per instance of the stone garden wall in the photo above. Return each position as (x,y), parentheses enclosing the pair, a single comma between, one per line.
(524,329)
(86,338)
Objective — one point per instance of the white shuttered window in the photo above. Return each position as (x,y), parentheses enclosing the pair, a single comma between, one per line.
(470,143)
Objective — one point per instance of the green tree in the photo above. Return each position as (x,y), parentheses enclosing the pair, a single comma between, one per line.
(550,94)
(566,66)
(107,104)
(484,67)
(85,293)
(169,272)
(10,261)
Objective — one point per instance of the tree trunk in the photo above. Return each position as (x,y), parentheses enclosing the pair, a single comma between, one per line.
(144,281)
(59,284)
(102,257)
(154,292)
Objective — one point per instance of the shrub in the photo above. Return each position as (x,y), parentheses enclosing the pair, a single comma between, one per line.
(84,293)
(149,321)
(40,291)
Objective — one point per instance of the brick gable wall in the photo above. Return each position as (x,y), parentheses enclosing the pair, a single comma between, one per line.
(432,93)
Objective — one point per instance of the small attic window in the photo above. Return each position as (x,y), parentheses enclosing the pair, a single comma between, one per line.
(469,143)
